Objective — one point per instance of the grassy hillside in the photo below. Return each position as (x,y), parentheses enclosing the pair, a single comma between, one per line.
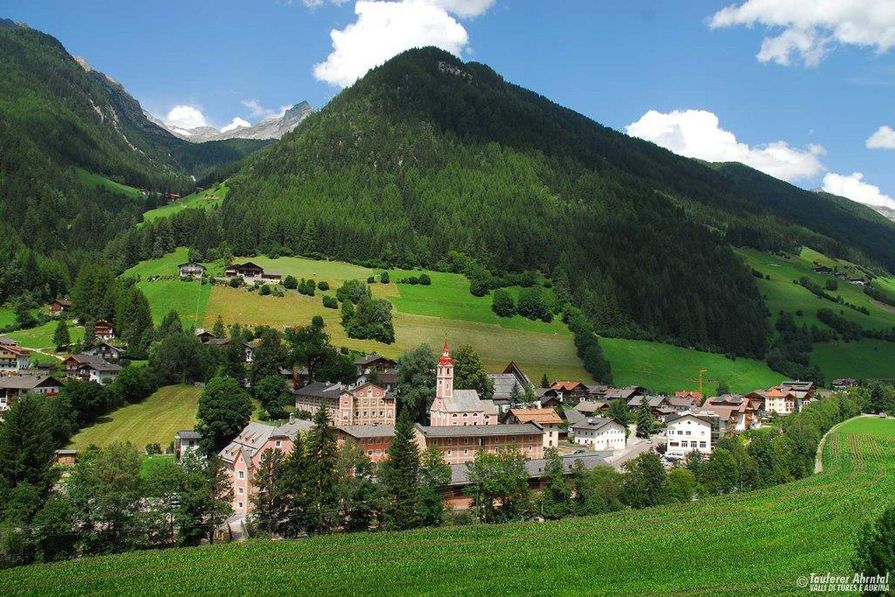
(97,180)
(42,336)
(865,359)
(774,537)
(168,292)
(155,420)
(207,199)
(781,294)
(862,359)
(667,368)
(444,310)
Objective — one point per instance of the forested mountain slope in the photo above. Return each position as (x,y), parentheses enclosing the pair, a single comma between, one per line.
(427,154)
(57,114)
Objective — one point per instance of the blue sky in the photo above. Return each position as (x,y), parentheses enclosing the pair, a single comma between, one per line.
(796,91)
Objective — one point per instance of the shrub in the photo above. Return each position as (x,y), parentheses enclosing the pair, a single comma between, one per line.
(264,290)
(330,302)
(371,279)
(384,278)
(290,282)
(503,304)
(323,285)
(425,280)
(235,282)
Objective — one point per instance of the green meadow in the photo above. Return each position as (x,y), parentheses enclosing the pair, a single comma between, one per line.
(41,337)
(207,199)
(155,420)
(667,368)
(775,536)
(864,359)
(188,298)
(97,180)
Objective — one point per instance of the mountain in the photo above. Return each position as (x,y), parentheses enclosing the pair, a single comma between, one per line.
(59,116)
(427,155)
(268,129)
(886,212)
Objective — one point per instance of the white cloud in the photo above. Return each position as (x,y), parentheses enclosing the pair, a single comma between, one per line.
(384,29)
(185,117)
(698,134)
(259,111)
(883,138)
(853,187)
(812,27)
(235,124)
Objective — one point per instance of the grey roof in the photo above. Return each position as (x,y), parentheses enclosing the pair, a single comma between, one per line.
(677,401)
(371,358)
(255,435)
(593,423)
(503,385)
(653,401)
(702,417)
(188,434)
(589,406)
(85,358)
(574,416)
(292,428)
(480,430)
(25,382)
(320,389)
(468,401)
(359,431)
(103,366)
(535,468)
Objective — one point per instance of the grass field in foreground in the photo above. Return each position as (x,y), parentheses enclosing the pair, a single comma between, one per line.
(758,542)
(97,180)
(210,197)
(155,420)
(667,368)
(865,359)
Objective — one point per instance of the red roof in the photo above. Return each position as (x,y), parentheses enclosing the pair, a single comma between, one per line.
(446,356)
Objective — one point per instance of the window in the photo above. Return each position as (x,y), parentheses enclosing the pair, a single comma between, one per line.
(242,474)
(239,505)
(701,444)
(278,443)
(241,491)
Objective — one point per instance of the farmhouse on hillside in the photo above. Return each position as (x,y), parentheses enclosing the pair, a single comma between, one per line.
(59,306)
(13,358)
(102,330)
(251,273)
(191,270)
(13,386)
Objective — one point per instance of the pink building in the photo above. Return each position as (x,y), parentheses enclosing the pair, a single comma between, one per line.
(365,404)
(459,445)
(457,407)
(242,457)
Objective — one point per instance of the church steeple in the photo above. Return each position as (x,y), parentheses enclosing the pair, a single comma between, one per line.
(445,374)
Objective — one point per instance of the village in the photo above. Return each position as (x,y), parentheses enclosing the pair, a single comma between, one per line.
(581,426)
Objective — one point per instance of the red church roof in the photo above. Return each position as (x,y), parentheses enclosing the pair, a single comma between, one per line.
(446,356)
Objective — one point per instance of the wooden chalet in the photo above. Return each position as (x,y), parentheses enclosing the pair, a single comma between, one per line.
(59,306)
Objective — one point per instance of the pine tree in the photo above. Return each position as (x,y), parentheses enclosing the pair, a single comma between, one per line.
(321,501)
(400,474)
(218,330)
(294,471)
(515,395)
(61,337)
(545,383)
(644,418)
(271,500)
(434,474)
(89,335)
(556,499)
